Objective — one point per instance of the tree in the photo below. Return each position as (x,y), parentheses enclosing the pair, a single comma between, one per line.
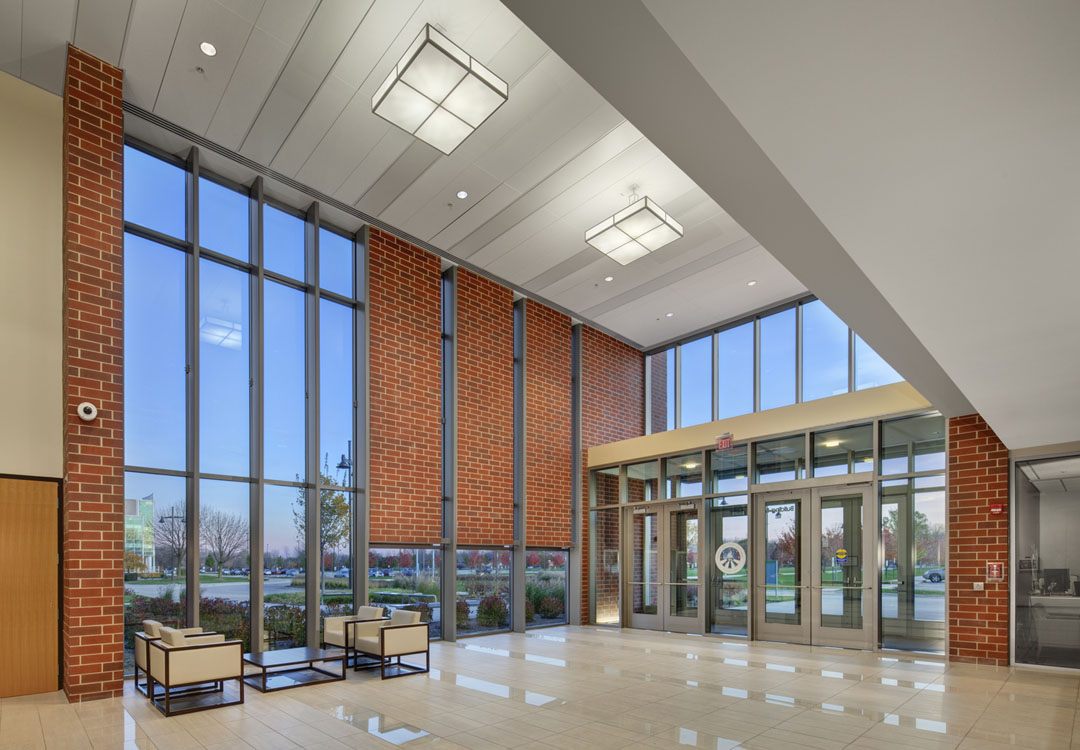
(210,562)
(532,560)
(475,559)
(504,559)
(335,516)
(133,562)
(224,535)
(558,559)
(406,559)
(170,534)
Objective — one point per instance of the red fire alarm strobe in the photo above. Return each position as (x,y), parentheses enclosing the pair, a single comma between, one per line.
(996,508)
(995,571)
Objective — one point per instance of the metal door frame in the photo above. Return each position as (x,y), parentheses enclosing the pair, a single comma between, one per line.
(761,630)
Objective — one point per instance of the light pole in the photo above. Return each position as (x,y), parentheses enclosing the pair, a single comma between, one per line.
(345,464)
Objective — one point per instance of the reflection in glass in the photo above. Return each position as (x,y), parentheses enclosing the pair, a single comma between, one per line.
(841,562)
(155,356)
(844,451)
(285,556)
(683,563)
(155,554)
(778,359)
(155,193)
(223,219)
(285,385)
(283,242)
(729,472)
(684,475)
(642,482)
(870,369)
(483,601)
(335,551)
(824,352)
(224,370)
(735,373)
(336,395)
(783,573)
(781,460)
(545,587)
(695,382)
(604,565)
(335,262)
(661,368)
(913,572)
(225,559)
(645,570)
(728,521)
(606,486)
(913,444)
(409,579)
(1047,616)
(669,396)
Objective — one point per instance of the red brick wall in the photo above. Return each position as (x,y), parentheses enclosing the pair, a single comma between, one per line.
(548,384)
(485,410)
(978,476)
(93,591)
(405,322)
(612,408)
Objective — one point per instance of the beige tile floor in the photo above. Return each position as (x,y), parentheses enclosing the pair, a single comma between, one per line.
(579,687)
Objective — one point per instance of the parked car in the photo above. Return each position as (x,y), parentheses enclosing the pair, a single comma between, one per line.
(292,572)
(343,573)
(934,576)
(408,572)
(266,571)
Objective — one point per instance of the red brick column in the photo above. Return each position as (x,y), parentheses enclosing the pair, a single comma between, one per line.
(405,323)
(658,371)
(612,408)
(548,416)
(93,589)
(978,477)
(485,411)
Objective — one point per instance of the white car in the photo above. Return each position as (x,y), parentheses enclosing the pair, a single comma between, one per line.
(343,573)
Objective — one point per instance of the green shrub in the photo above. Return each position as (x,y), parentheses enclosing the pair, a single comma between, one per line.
(492,612)
(462,609)
(530,611)
(551,608)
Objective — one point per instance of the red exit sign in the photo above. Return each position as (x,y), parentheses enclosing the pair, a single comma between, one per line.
(724,442)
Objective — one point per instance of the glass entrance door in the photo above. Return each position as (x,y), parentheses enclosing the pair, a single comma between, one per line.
(664,587)
(811,574)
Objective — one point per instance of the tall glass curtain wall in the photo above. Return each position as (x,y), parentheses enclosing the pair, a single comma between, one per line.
(909,472)
(793,354)
(239,335)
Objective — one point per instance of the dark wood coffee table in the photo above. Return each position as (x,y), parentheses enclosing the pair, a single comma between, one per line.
(292,667)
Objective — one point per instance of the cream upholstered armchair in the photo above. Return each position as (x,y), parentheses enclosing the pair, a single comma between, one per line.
(151,632)
(402,635)
(338,632)
(199,664)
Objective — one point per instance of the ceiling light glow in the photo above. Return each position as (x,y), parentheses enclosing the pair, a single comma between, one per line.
(634,232)
(752,282)
(669,315)
(831,443)
(438,92)
(462,195)
(208,49)
(609,278)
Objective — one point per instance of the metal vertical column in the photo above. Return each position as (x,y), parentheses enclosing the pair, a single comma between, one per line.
(192,344)
(517,581)
(313,547)
(574,558)
(255,348)
(360,523)
(448,616)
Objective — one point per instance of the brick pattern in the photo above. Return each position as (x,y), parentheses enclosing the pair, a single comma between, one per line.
(548,395)
(658,371)
(612,408)
(93,519)
(405,322)
(978,476)
(485,411)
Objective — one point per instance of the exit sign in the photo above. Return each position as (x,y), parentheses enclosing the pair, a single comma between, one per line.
(724,442)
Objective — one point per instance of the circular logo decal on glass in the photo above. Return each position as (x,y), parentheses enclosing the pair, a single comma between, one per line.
(730,558)
(841,554)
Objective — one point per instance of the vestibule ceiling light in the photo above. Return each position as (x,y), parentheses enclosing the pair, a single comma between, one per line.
(636,231)
(438,93)
(831,443)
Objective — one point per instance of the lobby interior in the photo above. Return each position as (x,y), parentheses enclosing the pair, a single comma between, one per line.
(691,374)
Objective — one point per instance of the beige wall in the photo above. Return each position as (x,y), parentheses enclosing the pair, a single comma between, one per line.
(873,402)
(31,279)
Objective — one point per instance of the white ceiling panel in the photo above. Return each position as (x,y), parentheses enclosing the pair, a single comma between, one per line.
(444,207)
(276,32)
(47,27)
(329,30)
(406,168)
(194,82)
(478,214)
(386,151)
(11,36)
(149,42)
(100,25)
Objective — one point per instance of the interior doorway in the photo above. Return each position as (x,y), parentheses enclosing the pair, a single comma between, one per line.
(665,587)
(813,563)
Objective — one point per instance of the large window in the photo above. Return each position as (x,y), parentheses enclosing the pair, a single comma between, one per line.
(407,579)
(220,321)
(781,357)
(483,590)
(545,587)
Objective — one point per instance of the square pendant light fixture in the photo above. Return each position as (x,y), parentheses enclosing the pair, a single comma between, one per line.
(635,231)
(438,93)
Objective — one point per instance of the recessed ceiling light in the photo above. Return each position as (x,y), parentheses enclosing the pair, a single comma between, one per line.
(752,282)
(690,465)
(831,443)
(669,315)
(208,49)
(462,194)
(609,278)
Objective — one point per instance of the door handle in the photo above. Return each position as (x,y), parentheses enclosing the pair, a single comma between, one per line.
(782,586)
(846,588)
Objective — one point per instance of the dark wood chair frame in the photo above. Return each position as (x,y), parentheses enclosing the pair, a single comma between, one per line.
(143,687)
(164,703)
(382,662)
